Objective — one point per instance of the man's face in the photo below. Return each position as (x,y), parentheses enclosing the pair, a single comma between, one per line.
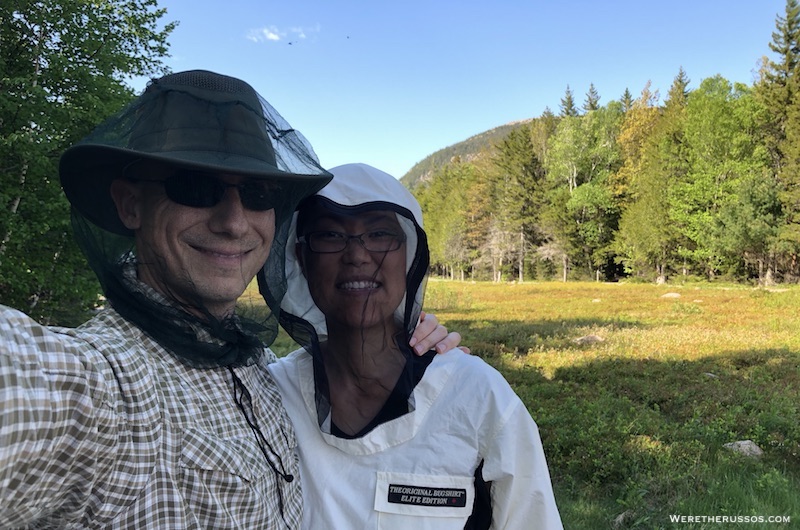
(194,255)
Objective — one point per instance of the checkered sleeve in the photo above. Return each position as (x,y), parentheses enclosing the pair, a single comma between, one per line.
(55,435)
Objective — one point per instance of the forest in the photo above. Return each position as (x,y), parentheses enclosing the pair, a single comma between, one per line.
(703,183)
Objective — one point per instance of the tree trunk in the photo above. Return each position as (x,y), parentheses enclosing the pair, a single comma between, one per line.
(13,209)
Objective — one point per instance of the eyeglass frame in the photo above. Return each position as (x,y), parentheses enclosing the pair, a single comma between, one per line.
(307,239)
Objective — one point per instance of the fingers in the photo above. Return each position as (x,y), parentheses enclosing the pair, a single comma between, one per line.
(429,334)
(452,340)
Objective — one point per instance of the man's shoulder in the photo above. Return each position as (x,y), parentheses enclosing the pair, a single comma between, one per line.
(107,321)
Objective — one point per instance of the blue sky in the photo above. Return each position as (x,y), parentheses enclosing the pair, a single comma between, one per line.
(390,82)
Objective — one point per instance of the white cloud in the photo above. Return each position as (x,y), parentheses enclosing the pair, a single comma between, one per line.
(265,34)
(274,34)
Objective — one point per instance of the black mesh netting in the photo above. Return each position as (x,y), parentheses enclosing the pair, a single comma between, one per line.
(190,120)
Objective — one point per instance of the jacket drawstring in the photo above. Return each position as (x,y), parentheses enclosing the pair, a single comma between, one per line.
(244,401)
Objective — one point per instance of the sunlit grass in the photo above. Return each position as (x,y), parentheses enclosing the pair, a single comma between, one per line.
(634,423)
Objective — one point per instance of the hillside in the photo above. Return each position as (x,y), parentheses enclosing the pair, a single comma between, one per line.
(466,150)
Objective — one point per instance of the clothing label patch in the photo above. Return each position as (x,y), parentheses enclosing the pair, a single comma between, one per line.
(416,495)
(423,496)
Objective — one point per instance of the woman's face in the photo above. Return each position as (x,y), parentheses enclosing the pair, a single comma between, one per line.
(355,287)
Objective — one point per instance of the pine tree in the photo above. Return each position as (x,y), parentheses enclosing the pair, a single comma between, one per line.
(774,88)
(568,108)
(626,100)
(592,101)
(518,193)
(778,92)
(679,90)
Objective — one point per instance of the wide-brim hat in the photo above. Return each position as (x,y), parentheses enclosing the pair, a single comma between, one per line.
(198,120)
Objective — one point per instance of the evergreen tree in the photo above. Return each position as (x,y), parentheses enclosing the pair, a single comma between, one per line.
(773,87)
(443,199)
(568,108)
(626,100)
(747,228)
(679,90)
(779,127)
(592,101)
(518,194)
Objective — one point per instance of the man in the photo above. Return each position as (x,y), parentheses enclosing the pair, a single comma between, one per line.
(159,411)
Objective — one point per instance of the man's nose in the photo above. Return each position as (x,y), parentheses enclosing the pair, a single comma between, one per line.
(229,214)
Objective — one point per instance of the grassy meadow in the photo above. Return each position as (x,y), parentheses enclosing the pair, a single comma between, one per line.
(634,416)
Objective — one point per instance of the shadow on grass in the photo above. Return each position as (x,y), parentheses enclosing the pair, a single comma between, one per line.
(642,438)
(493,337)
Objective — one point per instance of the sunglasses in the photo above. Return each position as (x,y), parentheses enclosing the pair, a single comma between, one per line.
(198,189)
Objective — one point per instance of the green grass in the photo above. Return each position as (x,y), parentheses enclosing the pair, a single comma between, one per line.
(633,426)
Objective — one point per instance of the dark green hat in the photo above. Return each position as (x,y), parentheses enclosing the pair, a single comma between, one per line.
(195,119)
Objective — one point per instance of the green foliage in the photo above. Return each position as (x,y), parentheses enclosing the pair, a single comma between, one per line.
(583,154)
(63,67)
(719,153)
(626,100)
(778,128)
(748,226)
(449,199)
(595,215)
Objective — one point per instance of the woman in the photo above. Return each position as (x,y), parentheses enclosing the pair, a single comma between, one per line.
(392,440)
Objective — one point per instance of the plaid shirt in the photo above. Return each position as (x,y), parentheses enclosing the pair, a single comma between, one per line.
(100,427)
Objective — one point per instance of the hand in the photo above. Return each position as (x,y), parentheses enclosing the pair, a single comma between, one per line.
(429,334)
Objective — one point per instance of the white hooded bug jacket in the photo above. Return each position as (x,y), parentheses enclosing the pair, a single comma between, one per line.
(419,469)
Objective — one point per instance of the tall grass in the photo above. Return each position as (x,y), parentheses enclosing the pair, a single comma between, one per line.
(634,422)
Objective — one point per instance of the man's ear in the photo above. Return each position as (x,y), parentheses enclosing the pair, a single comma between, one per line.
(127,197)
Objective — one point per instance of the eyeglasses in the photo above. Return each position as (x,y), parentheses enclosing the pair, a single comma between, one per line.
(331,242)
(198,189)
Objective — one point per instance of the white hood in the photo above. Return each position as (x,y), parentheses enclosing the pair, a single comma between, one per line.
(358,187)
